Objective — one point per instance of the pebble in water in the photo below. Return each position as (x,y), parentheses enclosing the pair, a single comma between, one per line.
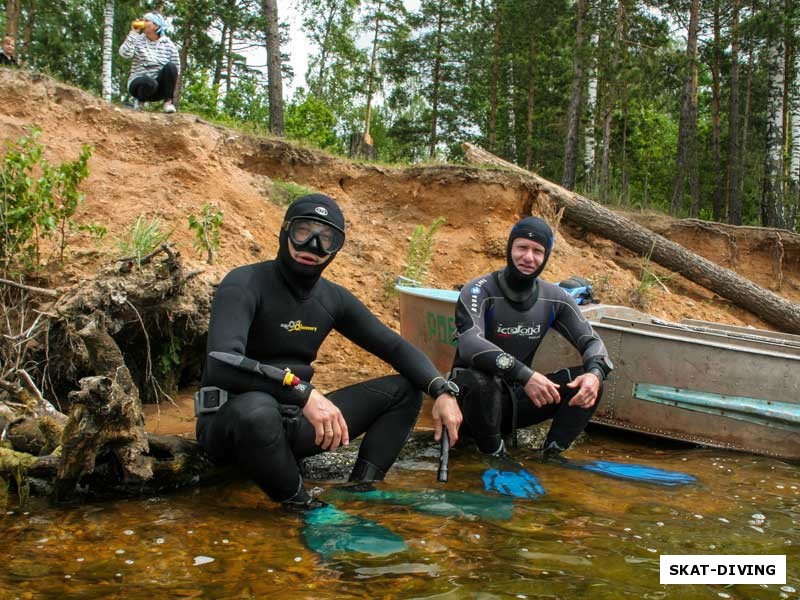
(202,560)
(128,532)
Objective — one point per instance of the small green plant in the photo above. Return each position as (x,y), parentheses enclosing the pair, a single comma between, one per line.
(642,294)
(420,250)
(286,192)
(38,201)
(206,229)
(169,358)
(143,237)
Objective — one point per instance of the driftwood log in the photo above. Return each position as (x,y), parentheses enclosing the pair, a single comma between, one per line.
(585,213)
(106,336)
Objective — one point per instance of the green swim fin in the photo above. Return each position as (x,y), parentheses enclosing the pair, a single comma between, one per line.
(443,503)
(330,531)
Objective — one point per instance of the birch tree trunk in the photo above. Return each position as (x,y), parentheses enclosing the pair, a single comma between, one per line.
(574,114)
(618,47)
(734,198)
(589,139)
(794,149)
(772,209)
(108,40)
(274,76)
(229,63)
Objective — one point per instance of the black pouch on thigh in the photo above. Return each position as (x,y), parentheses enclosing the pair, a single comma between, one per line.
(481,401)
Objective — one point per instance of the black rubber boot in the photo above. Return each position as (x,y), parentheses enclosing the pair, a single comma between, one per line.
(302,501)
(551,451)
(365,472)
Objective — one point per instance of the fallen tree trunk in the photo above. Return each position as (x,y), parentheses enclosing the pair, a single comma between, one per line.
(774,309)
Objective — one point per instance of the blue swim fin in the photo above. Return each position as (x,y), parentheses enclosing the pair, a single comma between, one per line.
(329,531)
(444,503)
(517,484)
(628,472)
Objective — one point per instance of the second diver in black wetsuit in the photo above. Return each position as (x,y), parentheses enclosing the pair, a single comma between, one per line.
(279,312)
(501,319)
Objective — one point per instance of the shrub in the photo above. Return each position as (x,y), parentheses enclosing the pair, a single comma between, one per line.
(206,229)
(38,201)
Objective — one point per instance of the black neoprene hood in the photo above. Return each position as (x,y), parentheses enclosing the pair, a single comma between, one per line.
(530,228)
(319,207)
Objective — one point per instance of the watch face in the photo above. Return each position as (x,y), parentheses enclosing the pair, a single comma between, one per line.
(504,361)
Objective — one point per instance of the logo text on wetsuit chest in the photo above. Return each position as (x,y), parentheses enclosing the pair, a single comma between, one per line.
(520,329)
(297,326)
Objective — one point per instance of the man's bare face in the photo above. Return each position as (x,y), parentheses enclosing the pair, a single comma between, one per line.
(527,255)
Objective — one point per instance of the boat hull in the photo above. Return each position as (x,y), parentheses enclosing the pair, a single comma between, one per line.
(716,385)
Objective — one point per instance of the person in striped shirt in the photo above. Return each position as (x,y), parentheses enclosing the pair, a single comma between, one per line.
(156,65)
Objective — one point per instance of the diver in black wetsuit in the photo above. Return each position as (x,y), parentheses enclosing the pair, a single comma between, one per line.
(501,319)
(279,312)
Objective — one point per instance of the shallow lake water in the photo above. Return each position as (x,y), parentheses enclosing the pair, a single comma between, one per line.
(589,536)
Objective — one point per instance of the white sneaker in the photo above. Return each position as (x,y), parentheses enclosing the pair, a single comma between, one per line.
(169,107)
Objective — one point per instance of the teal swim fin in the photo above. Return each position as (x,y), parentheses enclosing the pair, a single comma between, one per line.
(330,531)
(517,484)
(442,503)
(625,471)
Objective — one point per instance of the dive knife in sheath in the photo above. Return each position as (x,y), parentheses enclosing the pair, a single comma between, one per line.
(286,377)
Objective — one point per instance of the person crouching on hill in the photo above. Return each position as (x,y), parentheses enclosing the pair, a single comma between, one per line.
(155,67)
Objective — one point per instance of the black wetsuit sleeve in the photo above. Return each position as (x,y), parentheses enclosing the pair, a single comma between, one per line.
(577,330)
(474,350)
(360,326)
(232,314)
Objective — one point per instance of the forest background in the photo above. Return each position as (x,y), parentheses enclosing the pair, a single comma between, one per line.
(687,106)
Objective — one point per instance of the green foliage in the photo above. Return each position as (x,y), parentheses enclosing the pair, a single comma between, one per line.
(198,95)
(169,357)
(310,119)
(286,192)
(440,79)
(420,250)
(206,229)
(38,201)
(143,237)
